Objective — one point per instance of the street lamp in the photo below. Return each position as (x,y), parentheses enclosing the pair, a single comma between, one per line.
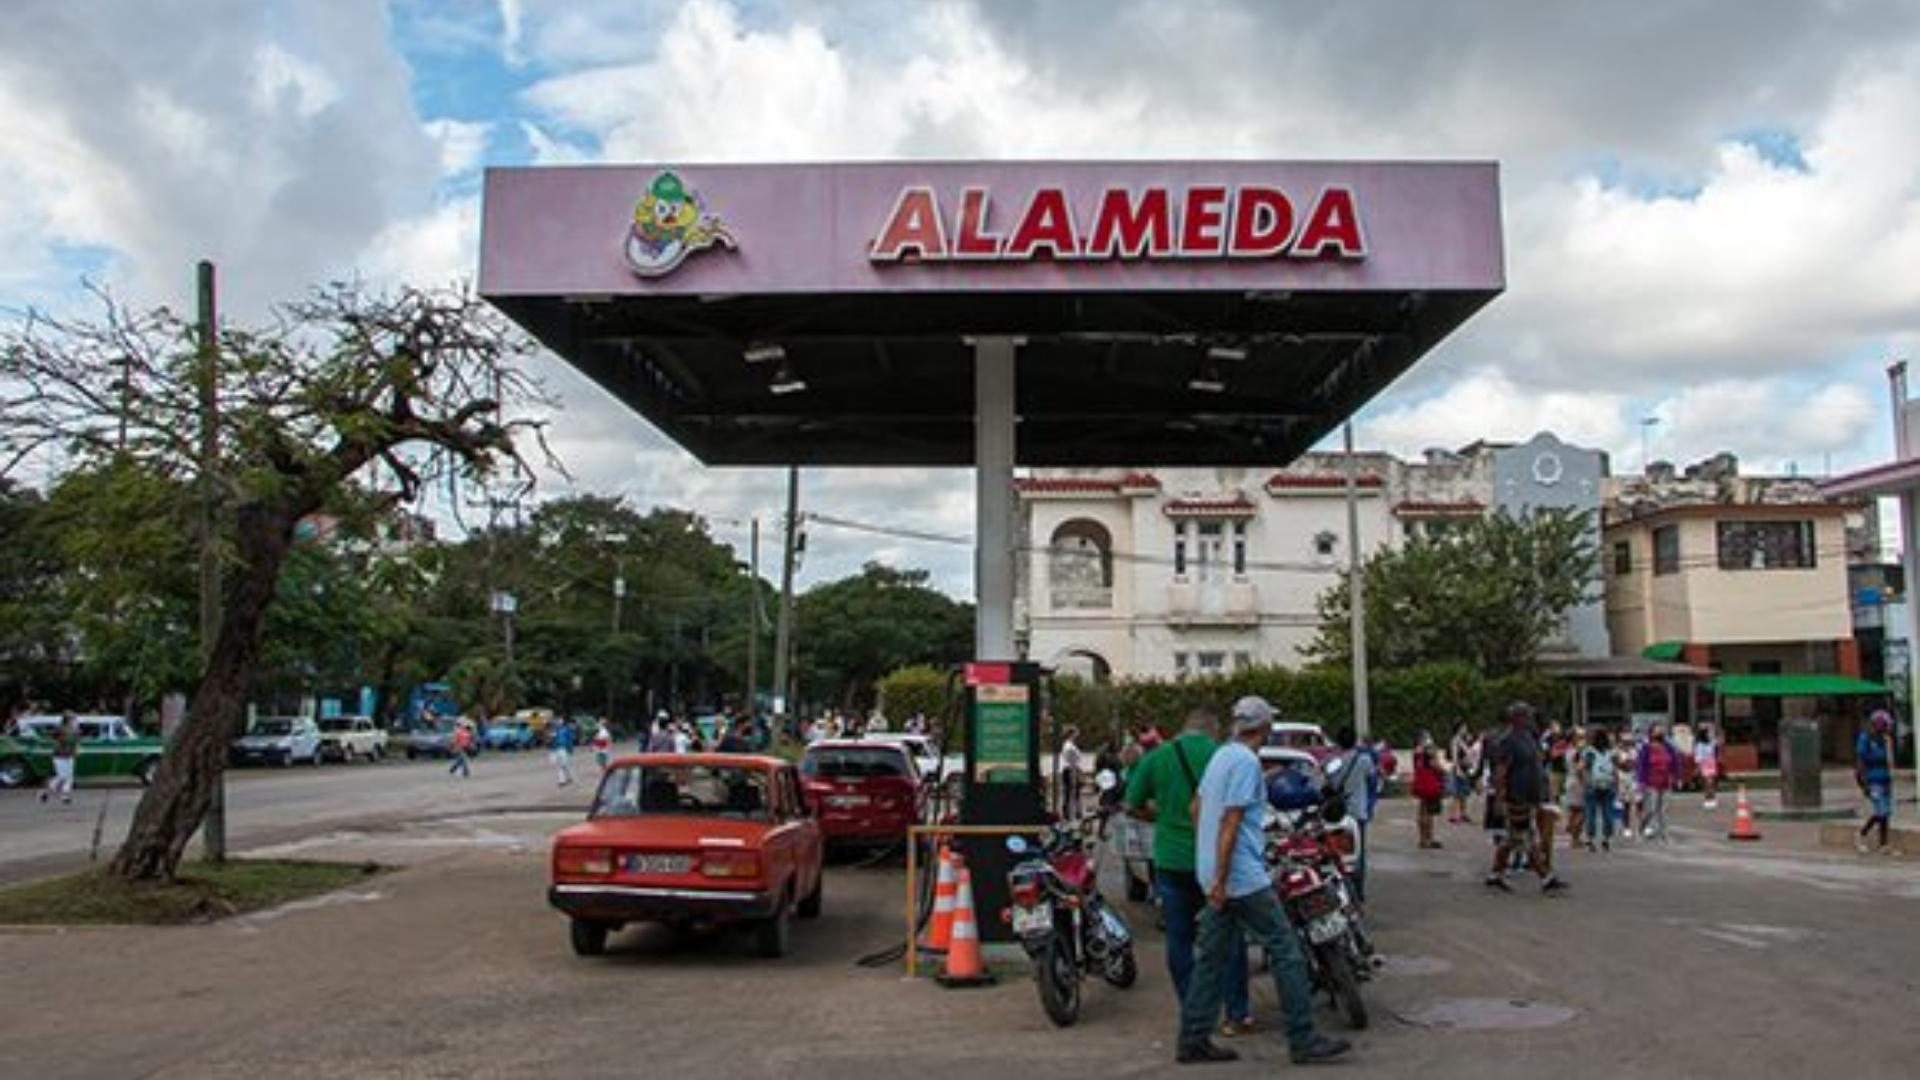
(618,540)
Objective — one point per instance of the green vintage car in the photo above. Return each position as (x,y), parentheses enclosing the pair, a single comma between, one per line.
(108,747)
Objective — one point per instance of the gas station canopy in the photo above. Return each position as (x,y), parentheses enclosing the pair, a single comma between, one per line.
(1165,312)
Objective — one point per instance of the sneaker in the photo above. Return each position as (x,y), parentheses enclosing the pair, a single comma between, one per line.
(1233,1029)
(1202,1052)
(1590,848)
(1859,842)
(1606,845)
(1495,881)
(43,798)
(1318,1048)
(1552,886)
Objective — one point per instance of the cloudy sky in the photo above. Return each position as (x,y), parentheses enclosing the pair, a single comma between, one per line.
(1712,208)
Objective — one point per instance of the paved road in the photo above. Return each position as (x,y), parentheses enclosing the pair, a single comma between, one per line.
(1699,959)
(265,805)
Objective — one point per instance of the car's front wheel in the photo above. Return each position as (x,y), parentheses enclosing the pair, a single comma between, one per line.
(774,936)
(589,937)
(811,903)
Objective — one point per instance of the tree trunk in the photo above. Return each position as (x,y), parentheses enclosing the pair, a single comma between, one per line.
(173,807)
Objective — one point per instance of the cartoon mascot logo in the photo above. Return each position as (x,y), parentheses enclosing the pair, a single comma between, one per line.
(671,222)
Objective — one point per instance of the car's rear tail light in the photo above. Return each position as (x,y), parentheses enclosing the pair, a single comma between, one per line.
(730,864)
(596,861)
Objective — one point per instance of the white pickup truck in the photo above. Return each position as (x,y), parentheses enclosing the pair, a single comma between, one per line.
(343,738)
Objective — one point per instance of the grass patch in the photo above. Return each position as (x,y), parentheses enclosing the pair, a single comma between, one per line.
(203,892)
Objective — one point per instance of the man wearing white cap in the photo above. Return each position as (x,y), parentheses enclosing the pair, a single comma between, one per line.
(1228,846)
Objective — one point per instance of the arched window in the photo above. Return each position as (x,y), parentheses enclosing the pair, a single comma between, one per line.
(1080,565)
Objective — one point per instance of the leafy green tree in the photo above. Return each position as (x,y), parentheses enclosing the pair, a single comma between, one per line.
(852,631)
(415,381)
(1488,594)
(486,686)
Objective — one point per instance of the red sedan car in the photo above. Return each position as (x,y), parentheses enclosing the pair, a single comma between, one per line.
(691,839)
(863,792)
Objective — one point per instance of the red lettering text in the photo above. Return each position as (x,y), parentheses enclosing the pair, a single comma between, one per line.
(971,240)
(1046,224)
(1131,228)
(1262,223)
(1333,225)
(1200,228)
(914,227)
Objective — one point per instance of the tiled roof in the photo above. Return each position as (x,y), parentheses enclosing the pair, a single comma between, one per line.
(1086,485)
(1320,481)
(1468,508)
(1234,505)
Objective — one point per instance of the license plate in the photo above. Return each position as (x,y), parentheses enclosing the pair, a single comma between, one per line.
(848,800)
(659,864)
(1326,928)
(1032,920)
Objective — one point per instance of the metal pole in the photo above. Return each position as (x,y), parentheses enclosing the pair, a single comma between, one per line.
(993,451)
(1356,590)
(214,835)
(783,634)
(753,620)
(1909,559)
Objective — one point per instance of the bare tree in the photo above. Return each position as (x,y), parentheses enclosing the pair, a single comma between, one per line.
(420,381)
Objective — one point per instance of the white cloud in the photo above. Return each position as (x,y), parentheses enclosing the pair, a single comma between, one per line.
(463,143)
(1489,404)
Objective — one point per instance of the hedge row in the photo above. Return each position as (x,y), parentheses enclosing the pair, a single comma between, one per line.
(1404,701)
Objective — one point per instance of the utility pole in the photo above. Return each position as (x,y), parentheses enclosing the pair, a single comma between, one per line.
(619,540)
(214,835)
(1356,591)
(783,634)
(753,620)
(1909,554)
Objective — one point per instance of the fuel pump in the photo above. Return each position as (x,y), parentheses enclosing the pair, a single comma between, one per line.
(1004,784)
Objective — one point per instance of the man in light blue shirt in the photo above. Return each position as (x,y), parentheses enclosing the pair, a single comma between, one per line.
(1229,861)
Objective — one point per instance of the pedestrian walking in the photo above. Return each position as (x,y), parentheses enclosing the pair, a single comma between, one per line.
(1600,773)
(1706,760)
(1626,758)
(1656,770)
(661,742)
(1160,789)
(1574,798)
(1354,775)
(682,739)
(1071,762)
(1463,752)
(1873,771)
(1428,787)
(1228,858)
(66,742)
(462,750)
(560,753)
(1518,783)
(602,746)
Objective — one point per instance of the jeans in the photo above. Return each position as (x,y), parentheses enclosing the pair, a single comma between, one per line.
(460,764)
(1181,901)
(1600,811)
(1360,865)
(1653,812)
(1258,916)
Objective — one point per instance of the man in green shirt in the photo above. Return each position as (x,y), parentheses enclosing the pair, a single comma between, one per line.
(1160,790)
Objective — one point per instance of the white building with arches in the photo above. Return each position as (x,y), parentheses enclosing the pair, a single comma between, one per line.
(1206,570)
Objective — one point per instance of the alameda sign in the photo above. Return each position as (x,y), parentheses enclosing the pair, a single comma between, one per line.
(1200,221)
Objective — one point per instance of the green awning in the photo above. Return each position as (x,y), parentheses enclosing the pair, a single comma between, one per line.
(1794,686)
(1663,650)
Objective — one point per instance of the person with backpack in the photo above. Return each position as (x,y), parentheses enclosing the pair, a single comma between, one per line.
(1355,775)
(1464,755)
(1873,771)
(1600,776)
(1428,787)
(1160,789)
(1657,770)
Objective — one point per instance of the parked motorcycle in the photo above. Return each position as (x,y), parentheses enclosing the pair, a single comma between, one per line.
(1310,877)
(1065,925)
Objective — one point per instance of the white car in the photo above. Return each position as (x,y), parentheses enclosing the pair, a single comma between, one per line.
(279,740)
(919,747)
(343,738)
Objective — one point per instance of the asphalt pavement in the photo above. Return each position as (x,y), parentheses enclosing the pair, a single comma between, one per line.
(1701,959)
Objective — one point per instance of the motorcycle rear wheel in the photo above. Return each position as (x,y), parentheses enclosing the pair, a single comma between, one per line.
(1059,979)
(1343,983)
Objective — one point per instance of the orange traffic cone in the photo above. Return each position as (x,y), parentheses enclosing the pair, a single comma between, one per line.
(1743,826)
(945,887)
(964,964)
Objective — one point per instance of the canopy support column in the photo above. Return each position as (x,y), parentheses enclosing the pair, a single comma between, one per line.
(993,444)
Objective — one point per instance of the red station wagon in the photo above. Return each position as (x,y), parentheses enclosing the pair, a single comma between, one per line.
(691,839)
(863,792)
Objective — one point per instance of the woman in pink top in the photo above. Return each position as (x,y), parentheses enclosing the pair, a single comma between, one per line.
(1706,758)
